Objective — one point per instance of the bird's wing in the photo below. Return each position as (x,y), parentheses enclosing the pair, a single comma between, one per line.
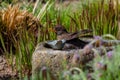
(74,35)
(85,33)
(69,36)
(78,34)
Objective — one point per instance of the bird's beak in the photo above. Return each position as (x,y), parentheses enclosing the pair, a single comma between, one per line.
(52,30)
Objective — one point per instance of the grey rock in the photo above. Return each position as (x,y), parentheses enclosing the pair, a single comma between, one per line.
(55,60)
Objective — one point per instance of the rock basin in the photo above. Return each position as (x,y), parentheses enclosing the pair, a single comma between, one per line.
(56,60)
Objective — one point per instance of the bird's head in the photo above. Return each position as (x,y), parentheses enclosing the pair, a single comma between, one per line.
(59,29)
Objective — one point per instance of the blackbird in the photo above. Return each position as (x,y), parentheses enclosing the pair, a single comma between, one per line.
(72,39)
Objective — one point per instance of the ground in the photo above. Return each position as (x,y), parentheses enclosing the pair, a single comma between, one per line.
(6,71)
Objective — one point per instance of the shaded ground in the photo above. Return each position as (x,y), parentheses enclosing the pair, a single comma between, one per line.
(6,72)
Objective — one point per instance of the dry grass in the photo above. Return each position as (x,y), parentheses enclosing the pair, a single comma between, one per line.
(13,18)
(14,21)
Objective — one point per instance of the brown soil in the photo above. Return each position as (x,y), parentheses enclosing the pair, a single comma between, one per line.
(6,71)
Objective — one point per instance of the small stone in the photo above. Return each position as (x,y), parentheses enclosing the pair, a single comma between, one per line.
(1,59)
(1,67)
